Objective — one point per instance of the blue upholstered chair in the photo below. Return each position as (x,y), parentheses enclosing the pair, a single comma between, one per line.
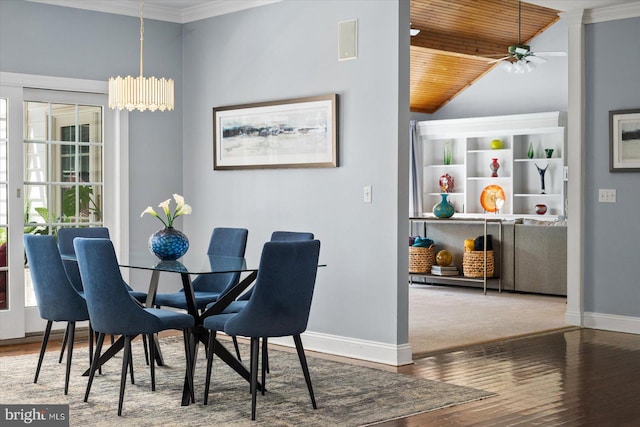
(113,311)
(241,302)
(65,244)
(279,306)
(207,288)
(58,300)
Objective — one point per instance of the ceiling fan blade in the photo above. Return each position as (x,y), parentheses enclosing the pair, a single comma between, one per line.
(499,59)
(535,59)
(550,53)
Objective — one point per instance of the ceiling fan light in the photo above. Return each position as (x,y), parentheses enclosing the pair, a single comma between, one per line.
(506,66)
(530,66)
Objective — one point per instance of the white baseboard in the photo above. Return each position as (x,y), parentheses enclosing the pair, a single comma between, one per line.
(573,318)
(372,351)
(612,322)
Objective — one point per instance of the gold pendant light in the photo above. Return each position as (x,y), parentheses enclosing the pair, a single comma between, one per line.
(141,93)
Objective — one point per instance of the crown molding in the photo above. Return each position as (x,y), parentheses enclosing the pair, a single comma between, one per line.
(159,12)
(603,14)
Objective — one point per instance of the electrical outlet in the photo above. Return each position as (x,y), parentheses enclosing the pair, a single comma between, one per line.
(367,194)
(606,195)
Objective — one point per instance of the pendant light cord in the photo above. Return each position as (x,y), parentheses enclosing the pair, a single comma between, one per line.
(141,38)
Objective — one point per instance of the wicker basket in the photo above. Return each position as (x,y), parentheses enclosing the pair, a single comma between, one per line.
(473,264)
(421,259)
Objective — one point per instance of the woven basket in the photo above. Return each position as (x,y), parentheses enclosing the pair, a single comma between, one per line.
(473,264)
(421,259)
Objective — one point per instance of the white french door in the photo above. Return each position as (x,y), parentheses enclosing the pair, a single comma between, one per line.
(12,306)
(54,170)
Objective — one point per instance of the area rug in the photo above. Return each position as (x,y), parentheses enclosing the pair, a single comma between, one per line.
(347,395)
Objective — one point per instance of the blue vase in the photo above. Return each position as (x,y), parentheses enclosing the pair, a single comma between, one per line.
(444,209)
(168,244)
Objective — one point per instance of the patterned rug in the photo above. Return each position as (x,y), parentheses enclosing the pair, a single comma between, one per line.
(347,395)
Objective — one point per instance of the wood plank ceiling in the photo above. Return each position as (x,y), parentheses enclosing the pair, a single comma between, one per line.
(456,37)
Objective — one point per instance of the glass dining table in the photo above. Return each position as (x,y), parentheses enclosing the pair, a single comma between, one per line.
(190,264)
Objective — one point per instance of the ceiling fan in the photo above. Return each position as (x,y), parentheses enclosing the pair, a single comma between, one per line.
(520,57)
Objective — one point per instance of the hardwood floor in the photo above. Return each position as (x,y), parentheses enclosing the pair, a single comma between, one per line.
(580,377)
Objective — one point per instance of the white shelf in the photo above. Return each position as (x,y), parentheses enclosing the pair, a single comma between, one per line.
(518,176)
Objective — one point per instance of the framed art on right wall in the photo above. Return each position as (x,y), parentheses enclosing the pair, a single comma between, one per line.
(624,151)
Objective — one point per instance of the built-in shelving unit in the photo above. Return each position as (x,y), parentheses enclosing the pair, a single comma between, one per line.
(518,175)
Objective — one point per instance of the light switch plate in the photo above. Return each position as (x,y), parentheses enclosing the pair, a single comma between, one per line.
(607,195)
(367,194)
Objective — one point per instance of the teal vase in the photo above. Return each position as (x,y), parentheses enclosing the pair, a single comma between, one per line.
(444,209)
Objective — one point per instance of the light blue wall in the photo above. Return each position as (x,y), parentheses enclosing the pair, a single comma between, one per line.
(66,42)
(266,54)
(612,259)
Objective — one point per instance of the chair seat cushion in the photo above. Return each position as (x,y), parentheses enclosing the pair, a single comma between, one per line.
(178,300)
(217,322)
(139,296)
(235,307)
(170,320)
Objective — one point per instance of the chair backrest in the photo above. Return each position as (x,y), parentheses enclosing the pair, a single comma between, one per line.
(230,242)
(281,299)
(290,236)
(57,299)
(111,308)
(281,236)
(65,243)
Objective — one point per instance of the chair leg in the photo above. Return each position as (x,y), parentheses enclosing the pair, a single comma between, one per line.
(305,368)
(210,349)
(90,344)
(264,364)
(186,333)
(131,365)
(152,366)
(235,345)
(43,347)
(146,349)
(112,339)
(64,343)
(255,348)
(266,354)
(123,376)
(71,327)
(96,357)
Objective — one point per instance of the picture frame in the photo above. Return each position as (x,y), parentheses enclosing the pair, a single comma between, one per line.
(289,133)
(624,130)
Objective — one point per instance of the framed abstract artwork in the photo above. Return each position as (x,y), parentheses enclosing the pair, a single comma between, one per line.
(290,133)
(624,128)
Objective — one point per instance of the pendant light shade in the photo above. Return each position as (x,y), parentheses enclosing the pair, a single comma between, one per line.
(141,93)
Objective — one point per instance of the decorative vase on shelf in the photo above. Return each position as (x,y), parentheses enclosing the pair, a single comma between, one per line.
(168,244)
(548,152)
(530,152)
(494,167)
(444,209)
(541,209)
(448,155)
(541,172)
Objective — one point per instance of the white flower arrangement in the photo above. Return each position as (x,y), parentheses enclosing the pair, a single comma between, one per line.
(181,209)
